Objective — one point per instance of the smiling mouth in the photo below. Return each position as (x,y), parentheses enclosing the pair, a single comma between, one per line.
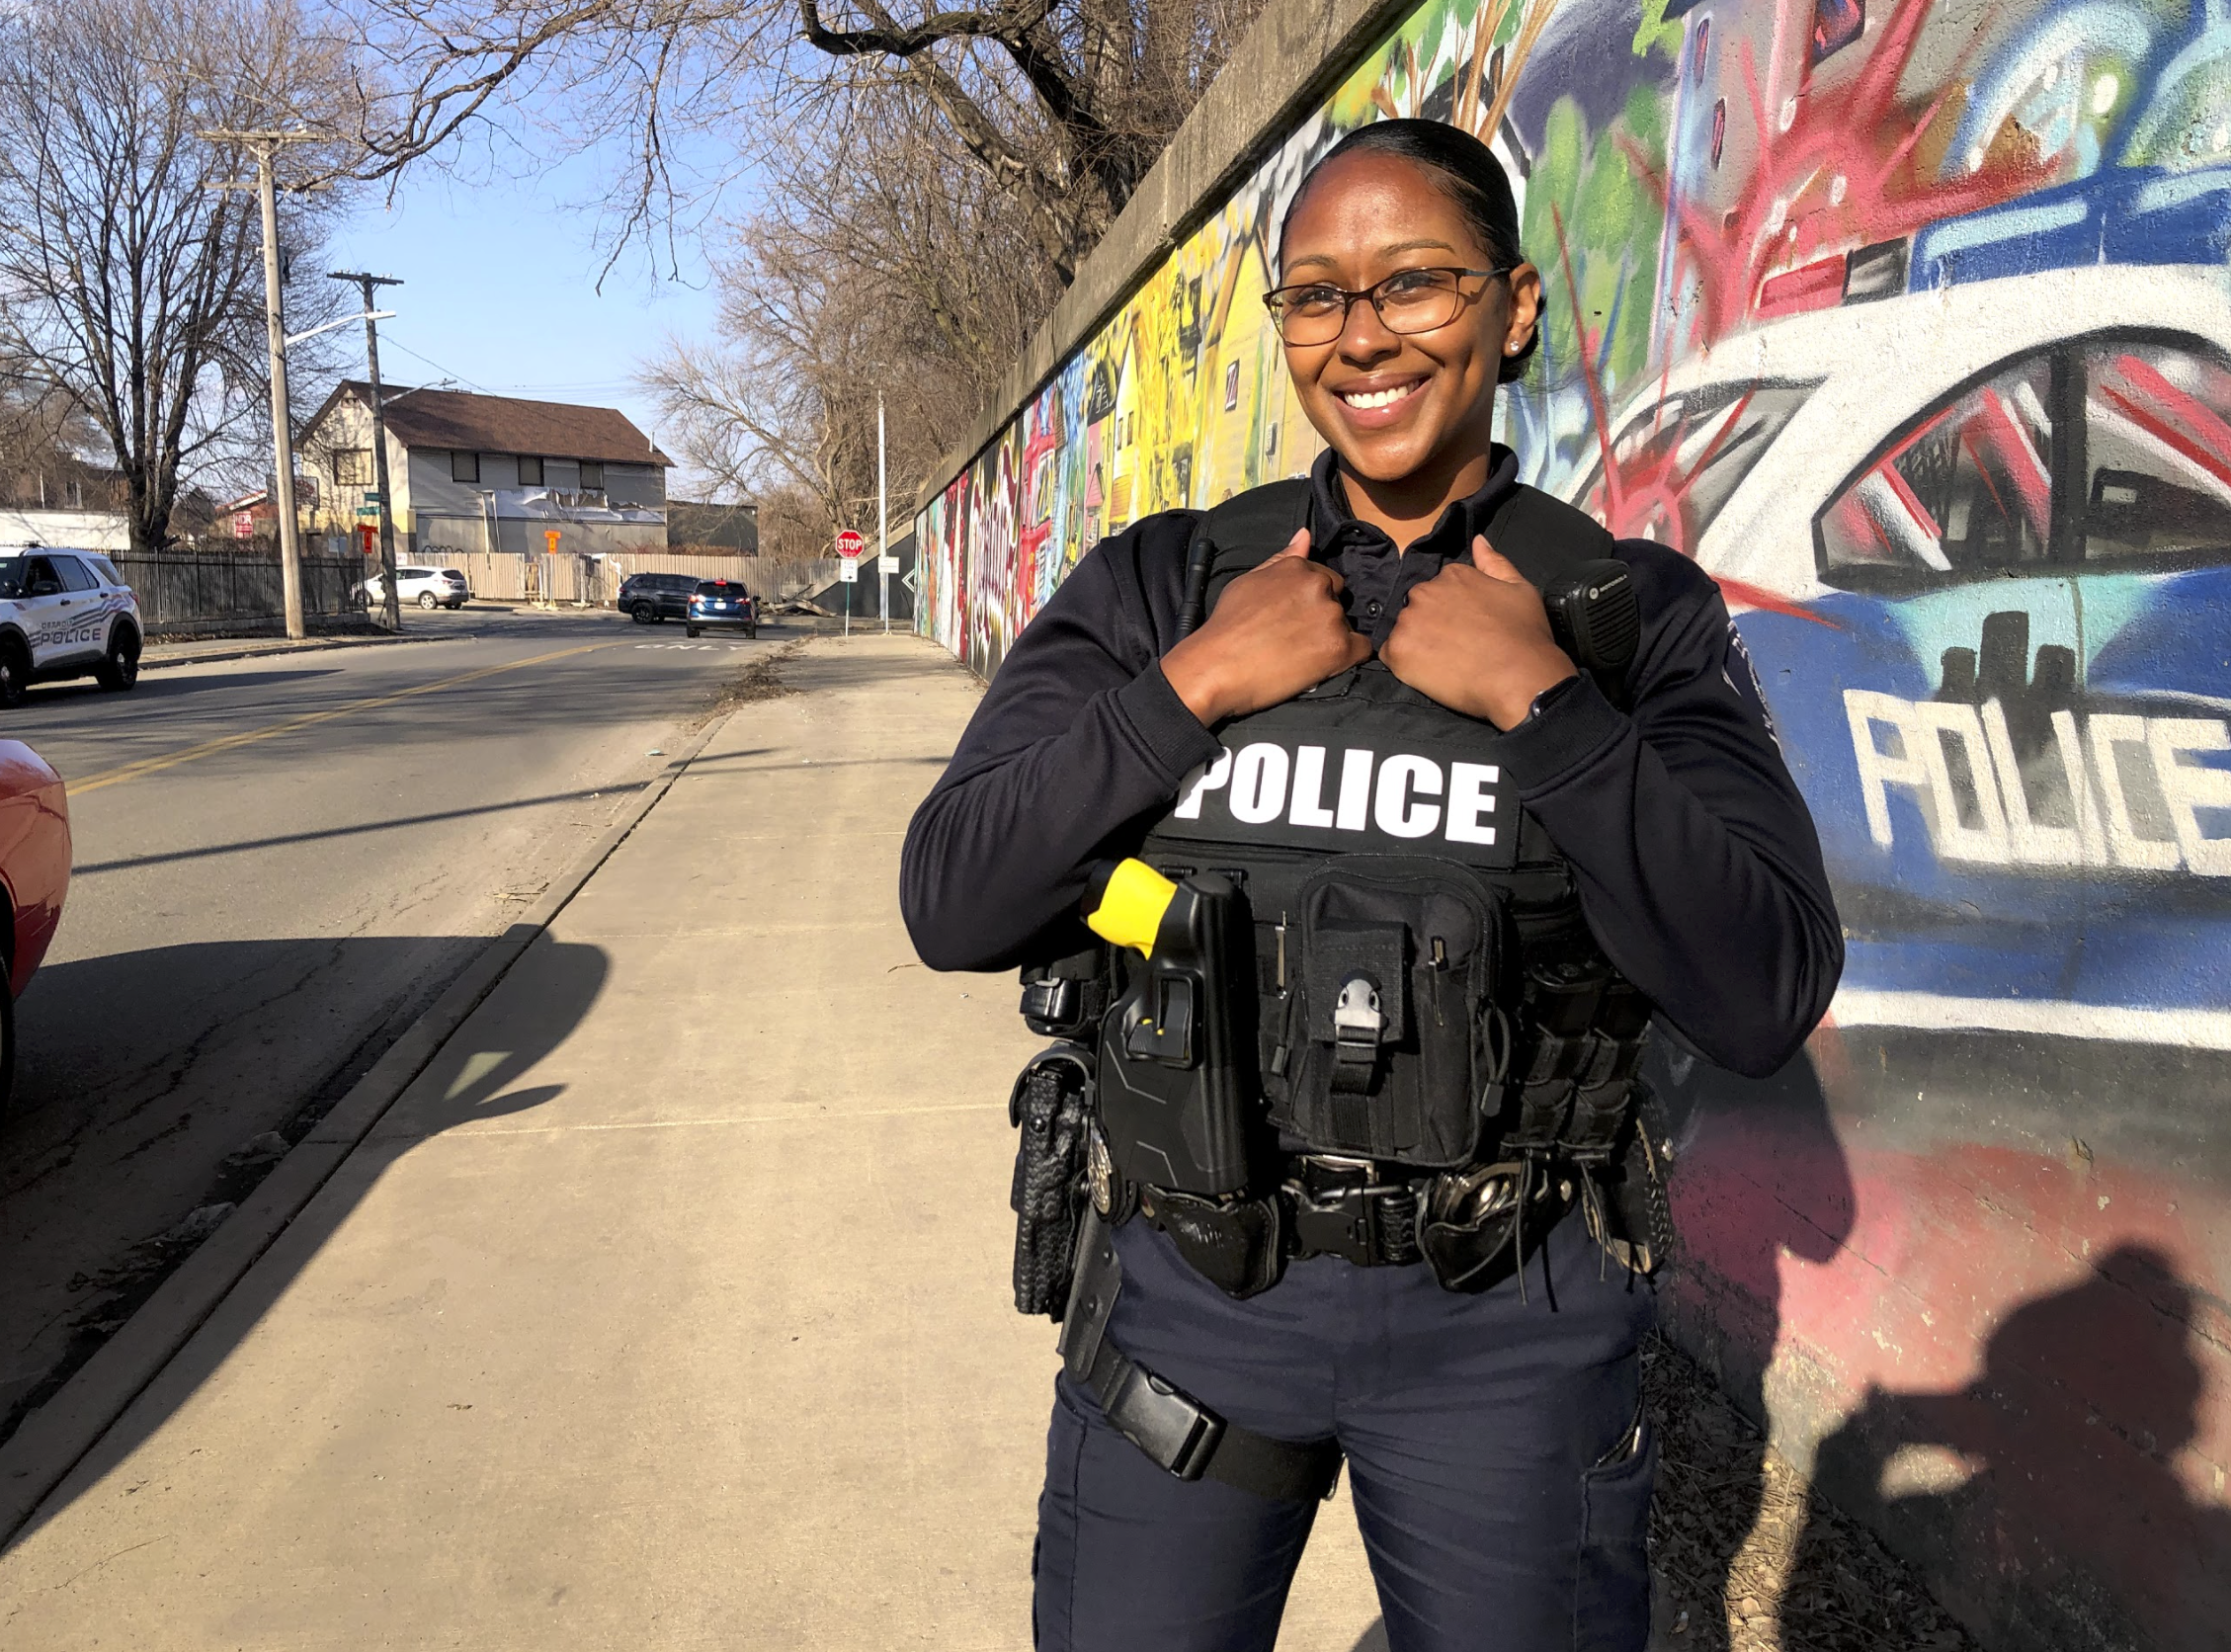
(1381,398)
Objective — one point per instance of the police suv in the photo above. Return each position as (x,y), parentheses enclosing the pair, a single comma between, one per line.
(64,613)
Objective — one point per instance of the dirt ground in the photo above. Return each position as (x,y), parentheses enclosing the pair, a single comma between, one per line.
(1748,1559)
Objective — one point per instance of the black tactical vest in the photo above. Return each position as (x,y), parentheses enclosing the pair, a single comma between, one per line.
(1429,992)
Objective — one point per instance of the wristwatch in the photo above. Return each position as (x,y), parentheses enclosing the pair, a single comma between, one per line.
(1548,697)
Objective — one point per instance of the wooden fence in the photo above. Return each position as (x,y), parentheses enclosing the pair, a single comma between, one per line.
(184,589)
(581,580)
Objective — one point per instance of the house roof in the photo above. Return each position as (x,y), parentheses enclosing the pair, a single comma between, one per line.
(501,425)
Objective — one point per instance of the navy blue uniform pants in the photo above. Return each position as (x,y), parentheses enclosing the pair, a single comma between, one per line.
(1500,1483)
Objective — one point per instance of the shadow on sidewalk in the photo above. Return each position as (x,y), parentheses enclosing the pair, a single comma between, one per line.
(534,1009)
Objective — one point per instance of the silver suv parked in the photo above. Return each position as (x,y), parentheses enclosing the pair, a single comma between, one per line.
(427,586)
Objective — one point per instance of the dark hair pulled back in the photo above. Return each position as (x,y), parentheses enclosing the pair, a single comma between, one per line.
(1463,168)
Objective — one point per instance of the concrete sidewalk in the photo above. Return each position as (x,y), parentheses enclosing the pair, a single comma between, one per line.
(667,1309)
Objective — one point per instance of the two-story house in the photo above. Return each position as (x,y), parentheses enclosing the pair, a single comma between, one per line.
(492,473)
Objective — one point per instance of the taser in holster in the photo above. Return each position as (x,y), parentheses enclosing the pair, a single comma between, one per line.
(1176,1049)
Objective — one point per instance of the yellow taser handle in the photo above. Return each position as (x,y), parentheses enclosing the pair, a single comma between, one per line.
(1129,913)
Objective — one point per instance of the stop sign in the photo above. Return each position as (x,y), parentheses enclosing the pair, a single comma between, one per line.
(851,543)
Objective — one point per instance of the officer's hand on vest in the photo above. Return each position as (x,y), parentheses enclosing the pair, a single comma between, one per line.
(1276,631)
(1476,638)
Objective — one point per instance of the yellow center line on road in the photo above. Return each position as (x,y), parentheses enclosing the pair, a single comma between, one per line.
(228,742)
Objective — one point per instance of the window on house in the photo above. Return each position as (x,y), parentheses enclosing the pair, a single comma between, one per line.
(464,467)
(530,470)
(352,467)
(592,477)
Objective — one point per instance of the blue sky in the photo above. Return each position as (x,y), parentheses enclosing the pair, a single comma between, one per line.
(501,292)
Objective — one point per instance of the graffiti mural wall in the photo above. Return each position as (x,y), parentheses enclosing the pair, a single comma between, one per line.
(1912,323)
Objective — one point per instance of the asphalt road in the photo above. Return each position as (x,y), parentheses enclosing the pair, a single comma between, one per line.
(278,862)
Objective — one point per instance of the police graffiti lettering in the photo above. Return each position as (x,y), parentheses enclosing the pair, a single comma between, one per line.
(2110,790)
(1404,796)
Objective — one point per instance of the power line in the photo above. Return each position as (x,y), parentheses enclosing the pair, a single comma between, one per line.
(437,366)
(573,385)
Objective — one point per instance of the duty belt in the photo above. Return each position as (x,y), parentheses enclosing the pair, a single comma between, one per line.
(1324,1205)
(1339,1206)
(1473,1227)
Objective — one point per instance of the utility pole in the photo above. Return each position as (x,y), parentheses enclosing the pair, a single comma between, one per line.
(882,518)
(395,599)
(266,146)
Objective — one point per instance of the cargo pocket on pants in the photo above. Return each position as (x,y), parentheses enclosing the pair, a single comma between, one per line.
(1612,1593)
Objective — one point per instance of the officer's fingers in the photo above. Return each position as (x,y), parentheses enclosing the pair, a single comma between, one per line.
(1298,545)
(1493,563)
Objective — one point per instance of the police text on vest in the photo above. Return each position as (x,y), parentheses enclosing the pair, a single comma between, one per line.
(1346,790)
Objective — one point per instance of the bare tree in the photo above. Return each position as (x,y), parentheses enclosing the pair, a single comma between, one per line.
(45,444)
(1064,103)
(886,263)
(939,170)
(128,287)
(795,553)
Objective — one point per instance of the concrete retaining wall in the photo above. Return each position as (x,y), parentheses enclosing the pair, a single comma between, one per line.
(1910,322)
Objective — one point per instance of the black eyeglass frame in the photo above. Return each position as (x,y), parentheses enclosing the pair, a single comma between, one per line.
(1374,292)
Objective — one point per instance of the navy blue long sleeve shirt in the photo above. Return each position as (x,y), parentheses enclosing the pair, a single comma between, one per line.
(1698,865)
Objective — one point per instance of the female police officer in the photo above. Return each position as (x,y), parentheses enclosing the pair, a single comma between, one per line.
(1501,1468)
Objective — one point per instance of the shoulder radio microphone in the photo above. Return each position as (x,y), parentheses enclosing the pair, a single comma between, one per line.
(1596,620)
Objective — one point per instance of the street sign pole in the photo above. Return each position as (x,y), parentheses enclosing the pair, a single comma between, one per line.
(882,518)
(850,544)
(394,605)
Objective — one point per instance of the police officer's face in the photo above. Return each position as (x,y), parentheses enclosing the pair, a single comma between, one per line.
(1400,406)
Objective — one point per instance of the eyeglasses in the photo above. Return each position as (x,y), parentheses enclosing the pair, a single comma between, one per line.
(1407,301)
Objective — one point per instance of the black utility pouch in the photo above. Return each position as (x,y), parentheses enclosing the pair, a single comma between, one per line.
(1237,1244)
(1066,998)
(1387,1051)
(1051,1106)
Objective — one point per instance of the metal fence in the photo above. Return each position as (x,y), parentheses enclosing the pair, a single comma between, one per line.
(185,588)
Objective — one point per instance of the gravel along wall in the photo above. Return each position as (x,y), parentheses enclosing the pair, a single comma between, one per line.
(1910,322)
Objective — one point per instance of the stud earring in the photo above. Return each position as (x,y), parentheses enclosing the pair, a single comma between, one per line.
(1511,347)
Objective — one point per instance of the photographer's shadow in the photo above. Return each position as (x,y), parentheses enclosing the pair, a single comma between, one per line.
(2025,1459)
